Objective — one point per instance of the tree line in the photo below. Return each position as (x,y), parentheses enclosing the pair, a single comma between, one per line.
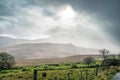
(107,59)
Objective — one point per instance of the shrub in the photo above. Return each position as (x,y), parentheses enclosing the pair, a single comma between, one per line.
(73,66)
(6,61)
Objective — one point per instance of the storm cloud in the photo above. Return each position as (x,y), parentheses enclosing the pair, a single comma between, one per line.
(86,23)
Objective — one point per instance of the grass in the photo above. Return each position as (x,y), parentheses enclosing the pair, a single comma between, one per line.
(107,73)
(75,74)
(53,71)
(60,72)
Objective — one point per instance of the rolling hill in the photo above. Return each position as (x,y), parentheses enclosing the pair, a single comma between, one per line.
(70,59)
(46,50)
(30,52)
(7,41)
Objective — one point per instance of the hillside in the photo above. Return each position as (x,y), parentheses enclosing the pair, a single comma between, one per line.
(7,41)
(70,59)
(46,50)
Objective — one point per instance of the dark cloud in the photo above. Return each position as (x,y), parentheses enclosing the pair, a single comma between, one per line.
(114,31)
(105,13)
(11,7)
(47,12)
(104,8)
(5,11)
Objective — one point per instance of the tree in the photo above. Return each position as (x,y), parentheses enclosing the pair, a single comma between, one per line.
(6,60)
(104,53)
(88,60)
(113,56)
(111,62)
(74,66)
(118,55)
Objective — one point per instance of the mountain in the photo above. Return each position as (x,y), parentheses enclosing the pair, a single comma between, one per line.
(46,50)
(6,41)
(70,59)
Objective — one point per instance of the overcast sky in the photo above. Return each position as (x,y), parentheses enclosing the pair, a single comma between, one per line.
(86,23)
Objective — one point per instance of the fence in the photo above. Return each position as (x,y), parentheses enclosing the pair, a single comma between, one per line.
(71,75)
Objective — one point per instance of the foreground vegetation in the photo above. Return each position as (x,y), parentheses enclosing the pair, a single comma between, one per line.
(107,73)
(62,72)
(88,69)
(26,73)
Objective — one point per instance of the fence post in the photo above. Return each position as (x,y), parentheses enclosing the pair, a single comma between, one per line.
(97,66)
(86,75)
(35,75)
(80,75)
(68,76)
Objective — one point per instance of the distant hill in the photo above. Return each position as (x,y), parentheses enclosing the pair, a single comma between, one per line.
(46,50)
(6,41)
(70,59)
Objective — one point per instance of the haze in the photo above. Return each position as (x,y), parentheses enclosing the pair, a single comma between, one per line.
(85,23)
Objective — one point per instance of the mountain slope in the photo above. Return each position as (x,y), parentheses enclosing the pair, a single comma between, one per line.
(6,41)
(70,59)
(46,50)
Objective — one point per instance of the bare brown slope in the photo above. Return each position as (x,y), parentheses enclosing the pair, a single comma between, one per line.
(76,58)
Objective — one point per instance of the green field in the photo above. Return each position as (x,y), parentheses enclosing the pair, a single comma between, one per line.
(53,72)
(75,74)
(68,71)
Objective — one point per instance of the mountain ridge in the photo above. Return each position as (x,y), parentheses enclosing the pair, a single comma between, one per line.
(7,41)
(46,50)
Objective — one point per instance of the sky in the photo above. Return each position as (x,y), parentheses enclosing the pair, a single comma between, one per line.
(85,23)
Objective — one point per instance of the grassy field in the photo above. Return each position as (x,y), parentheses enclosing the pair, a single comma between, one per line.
(71,71)
(107,73)
(68,71)
(74,74)
(63,74)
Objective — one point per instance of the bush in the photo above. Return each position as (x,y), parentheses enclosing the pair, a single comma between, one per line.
(73,66)
(44,74)
(6,61)
(88,60)
(111,62)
